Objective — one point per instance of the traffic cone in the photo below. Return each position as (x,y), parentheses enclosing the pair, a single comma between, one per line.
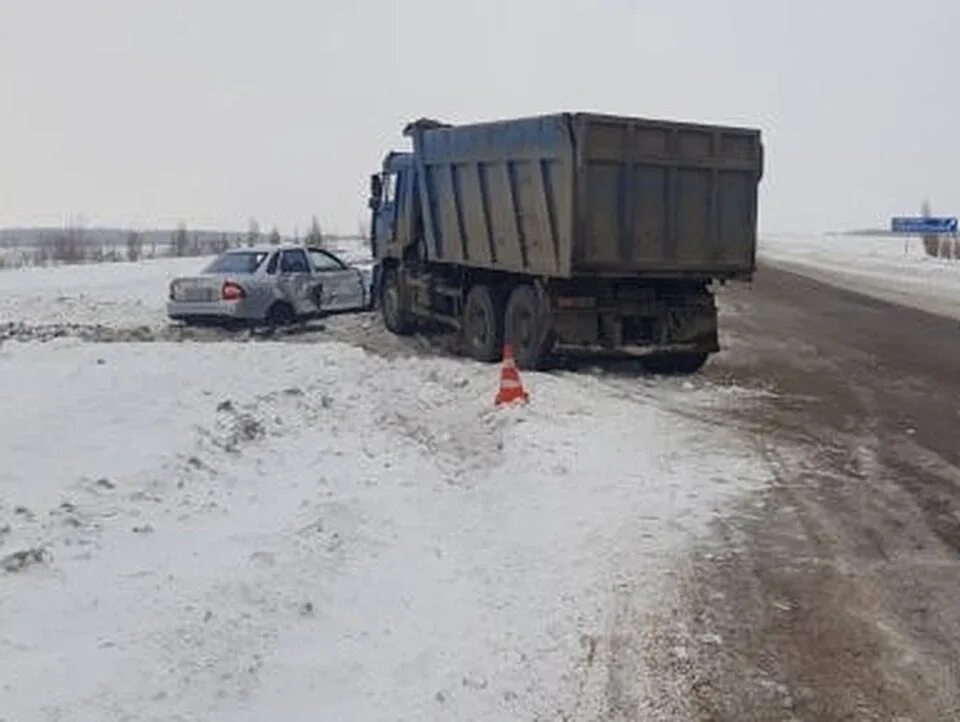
(511,388)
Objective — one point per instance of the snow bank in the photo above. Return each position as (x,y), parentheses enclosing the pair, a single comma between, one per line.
(110,294)
(257,533)
(888,268)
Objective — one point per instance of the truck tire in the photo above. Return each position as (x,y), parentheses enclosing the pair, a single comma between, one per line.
(524,327)
(674,364)
(393,304)
(482,325)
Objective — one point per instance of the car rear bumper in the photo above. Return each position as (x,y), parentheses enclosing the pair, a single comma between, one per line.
(212,310)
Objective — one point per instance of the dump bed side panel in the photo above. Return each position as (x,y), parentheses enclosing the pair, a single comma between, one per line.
(661,198)
(499,195)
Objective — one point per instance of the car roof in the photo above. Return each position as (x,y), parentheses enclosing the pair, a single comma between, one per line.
(265,248)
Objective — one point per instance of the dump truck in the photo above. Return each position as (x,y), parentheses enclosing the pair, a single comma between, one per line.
(571,232)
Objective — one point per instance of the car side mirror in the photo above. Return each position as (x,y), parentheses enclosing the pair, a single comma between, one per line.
(376,190)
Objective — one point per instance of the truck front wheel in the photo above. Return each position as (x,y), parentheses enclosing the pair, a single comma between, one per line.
(393,305)
(524,327)
(482,324)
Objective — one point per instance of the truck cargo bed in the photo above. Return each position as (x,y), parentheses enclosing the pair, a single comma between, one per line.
(568,195)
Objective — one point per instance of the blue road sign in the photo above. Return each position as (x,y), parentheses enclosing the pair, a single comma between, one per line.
(920,224)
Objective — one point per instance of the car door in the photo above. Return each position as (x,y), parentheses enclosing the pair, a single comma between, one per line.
(343,286)
(296,281)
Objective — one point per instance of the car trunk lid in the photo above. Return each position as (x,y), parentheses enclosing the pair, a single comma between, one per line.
(198,289)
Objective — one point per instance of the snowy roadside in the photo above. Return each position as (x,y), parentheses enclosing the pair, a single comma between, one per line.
(106,294)
(262,534)
(887,268)
(109,295)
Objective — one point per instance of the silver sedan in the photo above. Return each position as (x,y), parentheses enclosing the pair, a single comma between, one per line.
(276,285)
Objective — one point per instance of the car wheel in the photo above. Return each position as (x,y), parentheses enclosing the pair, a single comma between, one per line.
(280,314)
(482,324)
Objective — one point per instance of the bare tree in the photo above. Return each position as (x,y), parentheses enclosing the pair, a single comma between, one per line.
(275,237)
(66,246)
(931,242)
(314,235)
(180,241)
(134,246)
(221,243)
(948,247)
(253,232)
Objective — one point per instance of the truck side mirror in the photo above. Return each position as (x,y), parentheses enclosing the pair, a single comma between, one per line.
(376,190)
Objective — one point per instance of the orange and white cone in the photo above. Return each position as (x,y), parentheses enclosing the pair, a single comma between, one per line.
(511,388)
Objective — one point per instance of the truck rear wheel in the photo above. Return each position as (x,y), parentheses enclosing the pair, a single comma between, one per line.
(393,305)
(675,364)
(482,324)
(524,327)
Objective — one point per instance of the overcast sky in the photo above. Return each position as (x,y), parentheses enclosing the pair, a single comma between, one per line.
(127,112)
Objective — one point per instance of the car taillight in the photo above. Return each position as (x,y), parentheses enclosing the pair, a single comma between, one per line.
(232,291)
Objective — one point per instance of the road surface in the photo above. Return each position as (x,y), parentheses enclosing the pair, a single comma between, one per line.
(833,595)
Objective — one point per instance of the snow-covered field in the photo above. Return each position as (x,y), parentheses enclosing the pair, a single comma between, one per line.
(271,531)
(111,294)
(884,267)
(306,533)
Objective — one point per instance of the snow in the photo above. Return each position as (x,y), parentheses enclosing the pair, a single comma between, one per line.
(355,251)
(886,267)
(268,532)
(110,294)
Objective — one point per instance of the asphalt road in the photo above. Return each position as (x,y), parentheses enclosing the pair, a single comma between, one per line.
(836,594)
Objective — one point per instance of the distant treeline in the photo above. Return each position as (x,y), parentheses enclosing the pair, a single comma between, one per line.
(78,244)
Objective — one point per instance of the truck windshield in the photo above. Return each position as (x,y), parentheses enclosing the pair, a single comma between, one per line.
(243,262)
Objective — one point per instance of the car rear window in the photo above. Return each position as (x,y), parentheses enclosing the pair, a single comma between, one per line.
(237,262)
